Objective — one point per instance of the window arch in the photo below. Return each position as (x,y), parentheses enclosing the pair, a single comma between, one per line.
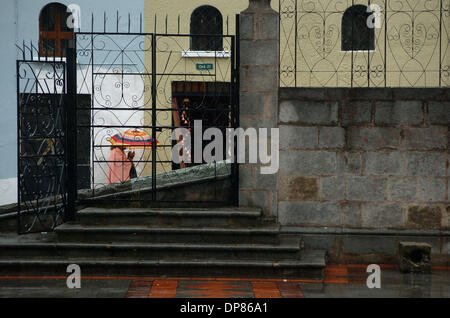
(356,34)
(54,32)
(206,20)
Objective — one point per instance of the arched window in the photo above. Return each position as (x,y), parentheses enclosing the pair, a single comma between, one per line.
(53,30)
(356,33)
(206,20)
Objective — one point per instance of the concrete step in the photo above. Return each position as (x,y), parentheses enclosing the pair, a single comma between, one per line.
(309,266)
(73,232)
(233,217)
(289,248)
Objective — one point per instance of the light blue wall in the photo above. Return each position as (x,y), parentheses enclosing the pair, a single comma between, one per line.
(19,20)
(8,109)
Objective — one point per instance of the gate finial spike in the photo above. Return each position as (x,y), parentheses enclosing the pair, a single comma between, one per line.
(129,22)
(117,21)
(31,49)
(166,24)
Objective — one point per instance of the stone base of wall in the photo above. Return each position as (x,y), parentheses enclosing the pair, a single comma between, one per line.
(371,246)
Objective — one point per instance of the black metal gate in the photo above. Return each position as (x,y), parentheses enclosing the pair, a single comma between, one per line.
(42,160)
(143,86)
(120,93)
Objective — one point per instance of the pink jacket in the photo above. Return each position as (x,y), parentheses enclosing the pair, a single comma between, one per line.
(118,166)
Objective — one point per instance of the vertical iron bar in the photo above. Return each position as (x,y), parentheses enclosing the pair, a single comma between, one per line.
(71,133)
(31,50)
(440,44)
(117,21)
(61,184)
(32,58)
(413,35)
(235,113)
(54,83)
(104,22)
(92,115)
(279,37)
(154,116)
(18,143)
(54,55)
(61,53)
(295,49)
(233,92)
(368,49)
(351,76)
(215,179)
(385,42)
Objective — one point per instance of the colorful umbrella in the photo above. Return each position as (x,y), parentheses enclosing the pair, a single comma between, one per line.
(132,139)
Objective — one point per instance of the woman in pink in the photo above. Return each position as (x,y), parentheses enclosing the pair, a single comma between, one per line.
(118,165)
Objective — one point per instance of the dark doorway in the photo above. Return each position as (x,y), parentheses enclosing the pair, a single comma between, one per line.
(205,101)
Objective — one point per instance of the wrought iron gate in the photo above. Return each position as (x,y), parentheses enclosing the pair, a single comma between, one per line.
(42,160)
(75,115)
(143,86)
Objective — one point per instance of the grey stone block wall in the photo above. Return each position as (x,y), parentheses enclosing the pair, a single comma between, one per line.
(364,159)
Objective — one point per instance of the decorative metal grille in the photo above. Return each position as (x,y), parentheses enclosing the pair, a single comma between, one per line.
(41,144)
(145,83)
(411,44)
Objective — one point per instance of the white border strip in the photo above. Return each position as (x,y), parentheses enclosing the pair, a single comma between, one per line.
(221,54)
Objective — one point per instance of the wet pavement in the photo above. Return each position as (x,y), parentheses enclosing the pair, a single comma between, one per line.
(341,281)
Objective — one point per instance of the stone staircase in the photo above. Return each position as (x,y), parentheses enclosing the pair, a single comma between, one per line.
(219,242)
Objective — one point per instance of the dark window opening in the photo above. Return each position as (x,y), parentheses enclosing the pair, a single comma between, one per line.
(356,33)
(54,32)
(205,101)
(206,21)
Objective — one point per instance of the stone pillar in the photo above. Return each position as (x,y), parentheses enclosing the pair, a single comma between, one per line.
(259,84)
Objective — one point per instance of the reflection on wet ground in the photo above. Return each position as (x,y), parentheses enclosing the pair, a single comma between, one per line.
(393,285)
(340,281)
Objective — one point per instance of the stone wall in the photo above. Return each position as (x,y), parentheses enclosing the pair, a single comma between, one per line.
(363,169)
(364,158)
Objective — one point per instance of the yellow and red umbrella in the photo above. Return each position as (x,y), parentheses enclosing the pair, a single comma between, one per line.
(132,139)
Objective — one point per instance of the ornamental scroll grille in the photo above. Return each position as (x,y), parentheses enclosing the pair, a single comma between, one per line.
(41,144)
(149,84)
(411,44)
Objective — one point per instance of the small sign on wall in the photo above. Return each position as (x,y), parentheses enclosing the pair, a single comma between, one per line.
(204,66)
